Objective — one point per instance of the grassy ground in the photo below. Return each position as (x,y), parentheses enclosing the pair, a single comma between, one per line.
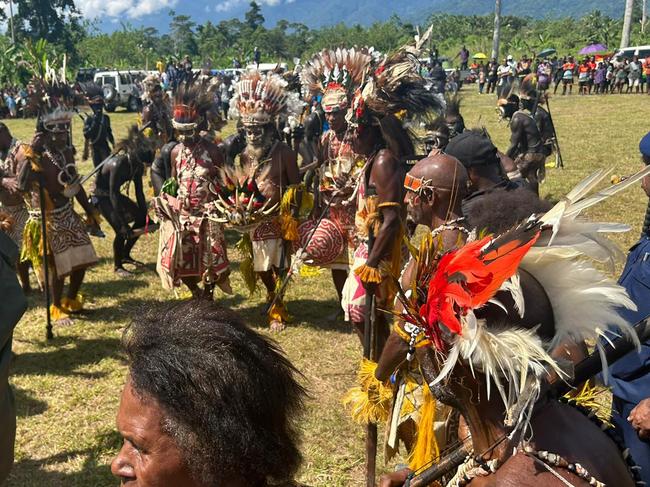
(67,390)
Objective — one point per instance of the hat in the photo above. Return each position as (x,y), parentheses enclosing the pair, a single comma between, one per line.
(473,149)
(509,58)
(644,145)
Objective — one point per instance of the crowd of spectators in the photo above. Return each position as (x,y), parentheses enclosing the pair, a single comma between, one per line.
(591,75)
(13,102)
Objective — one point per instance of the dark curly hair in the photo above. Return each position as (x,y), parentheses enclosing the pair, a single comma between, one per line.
(229,395)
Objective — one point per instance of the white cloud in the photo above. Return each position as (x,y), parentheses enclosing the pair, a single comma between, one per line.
(227,5)
(131,9)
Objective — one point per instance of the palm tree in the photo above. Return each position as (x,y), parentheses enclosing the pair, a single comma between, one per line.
(497,29)
(627,23)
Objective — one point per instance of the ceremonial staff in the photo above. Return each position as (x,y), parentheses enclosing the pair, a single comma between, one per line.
(46,270)
(370,353)
(584,370)
(560,162)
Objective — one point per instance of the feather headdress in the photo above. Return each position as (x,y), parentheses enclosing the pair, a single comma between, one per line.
(149,84)
(192,102)
(336,73)
(395,86)
(260,99)
(53,97)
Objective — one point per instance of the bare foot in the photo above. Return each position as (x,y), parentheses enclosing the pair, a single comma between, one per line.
(67,321)
(123,273)
(277,326)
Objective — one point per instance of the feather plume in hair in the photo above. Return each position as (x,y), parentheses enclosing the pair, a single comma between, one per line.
(135,142)
(396,87)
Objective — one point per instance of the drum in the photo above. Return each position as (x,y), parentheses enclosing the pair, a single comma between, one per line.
(326,243)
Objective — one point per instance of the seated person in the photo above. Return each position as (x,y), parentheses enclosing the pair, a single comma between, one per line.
(207,402)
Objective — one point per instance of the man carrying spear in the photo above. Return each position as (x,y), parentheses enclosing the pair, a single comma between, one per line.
(47,173)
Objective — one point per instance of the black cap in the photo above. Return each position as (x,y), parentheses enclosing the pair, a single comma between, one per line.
(472,149)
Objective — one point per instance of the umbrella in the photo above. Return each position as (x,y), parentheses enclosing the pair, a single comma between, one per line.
(546,52)
(479,55)
(592,49)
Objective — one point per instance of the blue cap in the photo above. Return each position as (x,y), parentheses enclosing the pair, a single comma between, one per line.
(644,145)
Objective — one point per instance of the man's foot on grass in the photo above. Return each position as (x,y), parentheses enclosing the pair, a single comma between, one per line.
(133,262)
(123,273)
(277,326)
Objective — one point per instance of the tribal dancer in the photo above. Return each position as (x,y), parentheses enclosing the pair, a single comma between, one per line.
(334,74)
(49,161)
(125,166)
(97,126)
(526,143)
(380,137)
(533,289)
(156,114)
(192,248)
(273,170)
(11,200)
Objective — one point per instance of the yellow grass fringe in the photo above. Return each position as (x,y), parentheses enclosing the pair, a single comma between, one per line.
(591,397)
(32,243)
(279,313)
(368,274)
(57,313)
(296,202)
(426,447)
(370,401)
(72,305)
(245,246)
(289,226)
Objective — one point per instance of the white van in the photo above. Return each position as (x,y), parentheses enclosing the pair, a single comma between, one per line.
(629,52)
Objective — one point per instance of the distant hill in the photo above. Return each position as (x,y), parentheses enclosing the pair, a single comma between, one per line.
(317,13)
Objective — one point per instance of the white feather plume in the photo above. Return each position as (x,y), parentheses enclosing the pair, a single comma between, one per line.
(585,302)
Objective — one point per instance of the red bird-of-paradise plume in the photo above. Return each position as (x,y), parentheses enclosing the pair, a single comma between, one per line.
(468,278)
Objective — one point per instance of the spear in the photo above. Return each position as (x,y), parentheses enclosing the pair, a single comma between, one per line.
(370,353)
(46,271)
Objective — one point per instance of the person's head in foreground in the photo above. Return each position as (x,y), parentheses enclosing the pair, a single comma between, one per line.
(207,402)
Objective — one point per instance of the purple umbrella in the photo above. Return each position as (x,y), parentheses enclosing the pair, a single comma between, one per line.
(593,49)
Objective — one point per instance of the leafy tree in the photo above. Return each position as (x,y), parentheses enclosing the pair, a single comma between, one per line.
(254,18)
(183,36)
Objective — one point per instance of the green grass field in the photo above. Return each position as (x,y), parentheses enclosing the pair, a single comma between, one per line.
(67,389)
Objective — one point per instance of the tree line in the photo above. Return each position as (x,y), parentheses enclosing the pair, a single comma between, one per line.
(60,24)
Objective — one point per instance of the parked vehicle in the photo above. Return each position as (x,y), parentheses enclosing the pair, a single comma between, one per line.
(120,90)
(629,52)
